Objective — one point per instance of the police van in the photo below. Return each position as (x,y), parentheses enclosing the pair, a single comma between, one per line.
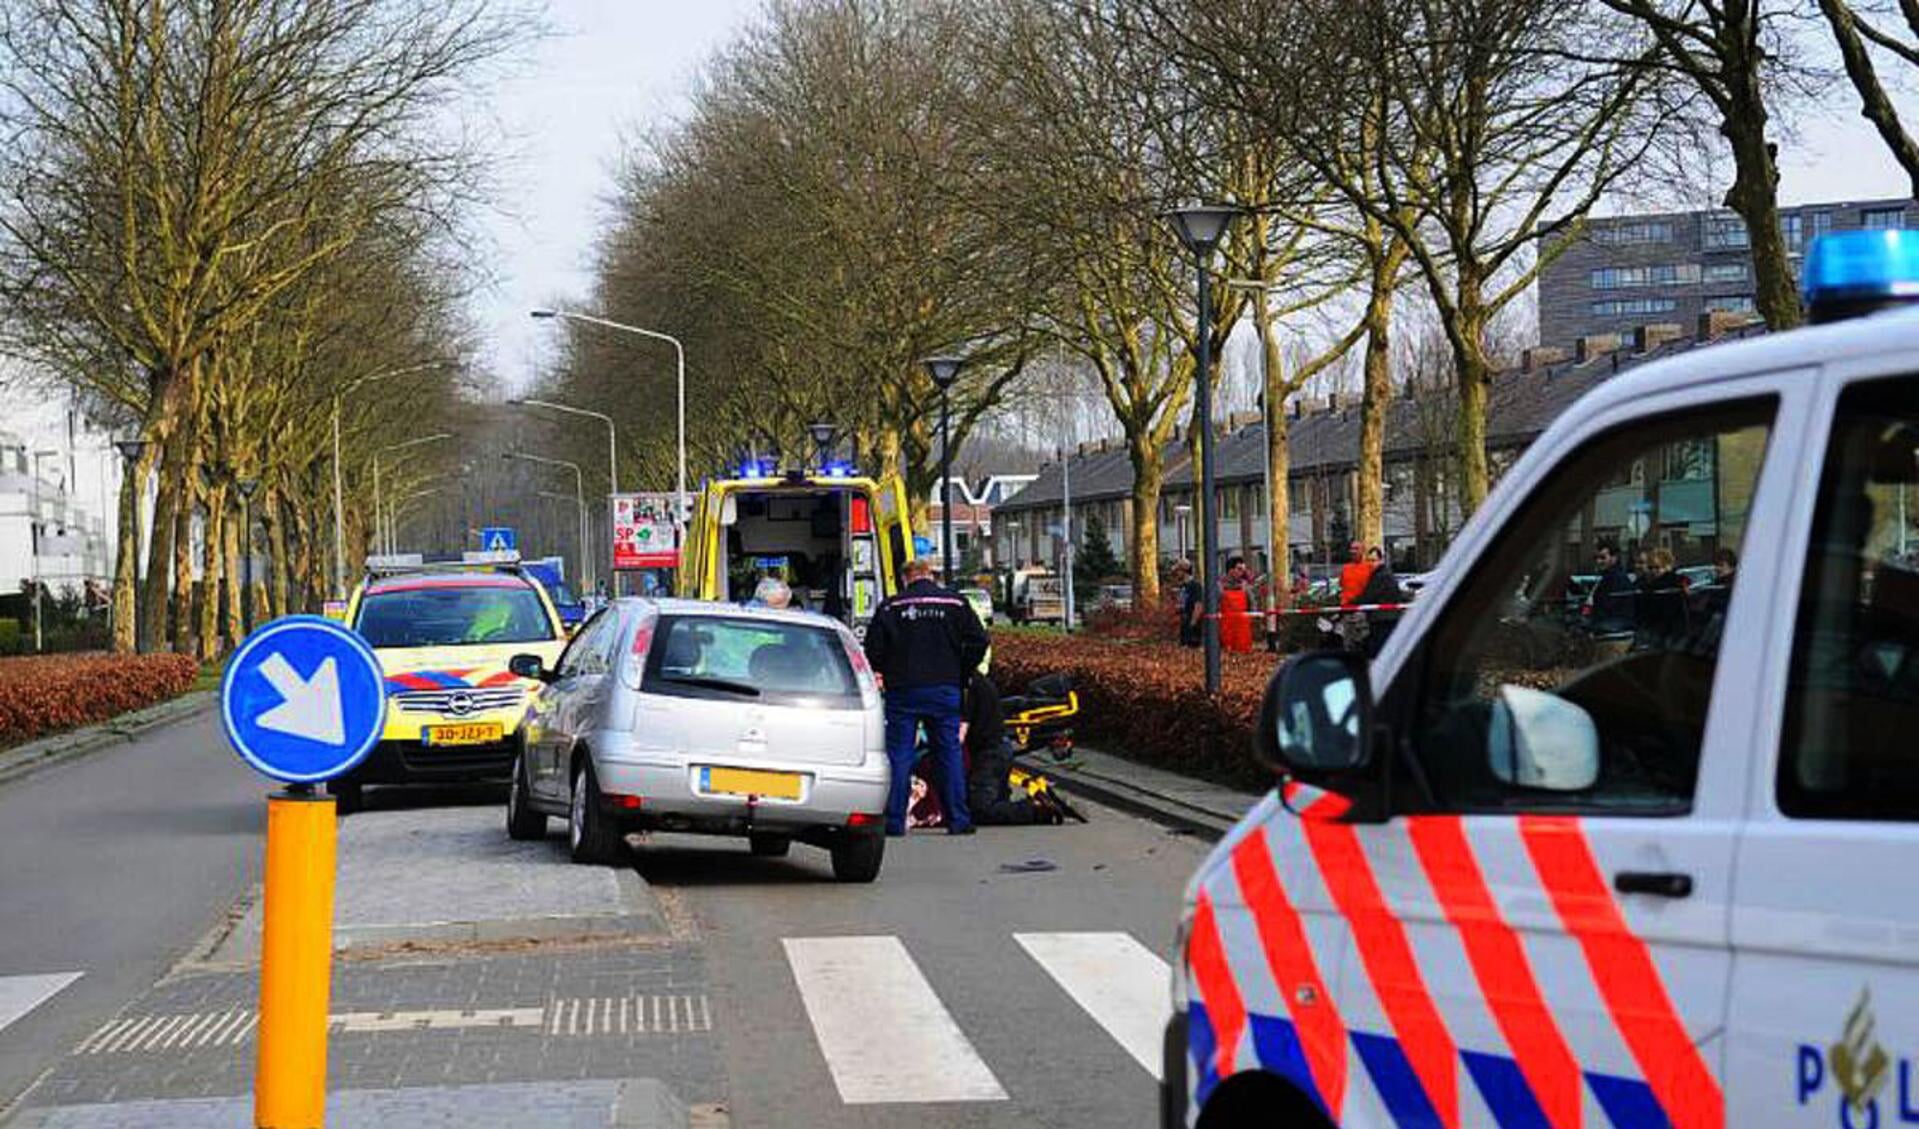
(1521,873)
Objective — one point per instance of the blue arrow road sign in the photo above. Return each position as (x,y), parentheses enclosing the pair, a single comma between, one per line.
(303,699)
(499,539)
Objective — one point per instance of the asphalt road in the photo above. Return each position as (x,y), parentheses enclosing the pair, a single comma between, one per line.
(949,993)
(111,866)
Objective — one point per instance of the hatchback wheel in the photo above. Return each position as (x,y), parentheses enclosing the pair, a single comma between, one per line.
(589,833)
(769,846)
(857,858)
(522,822)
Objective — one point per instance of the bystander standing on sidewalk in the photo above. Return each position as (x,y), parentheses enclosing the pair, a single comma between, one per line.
(923,643)
(1191,603)
(1235,607)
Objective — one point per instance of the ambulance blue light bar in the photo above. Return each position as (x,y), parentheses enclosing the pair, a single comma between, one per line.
(1854,272)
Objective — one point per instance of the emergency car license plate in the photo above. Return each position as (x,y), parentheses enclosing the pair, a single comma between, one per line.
(466,733)
(750,782)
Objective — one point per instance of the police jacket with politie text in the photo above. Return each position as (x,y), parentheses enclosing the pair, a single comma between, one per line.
(925,636)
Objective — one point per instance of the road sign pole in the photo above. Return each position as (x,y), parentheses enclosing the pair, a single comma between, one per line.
(296,954)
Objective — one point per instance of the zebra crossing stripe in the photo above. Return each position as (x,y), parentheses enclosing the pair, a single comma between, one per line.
(1121,983)
(881,1028)
(21,994)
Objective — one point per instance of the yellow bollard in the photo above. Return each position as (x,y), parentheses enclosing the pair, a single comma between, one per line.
(296,955)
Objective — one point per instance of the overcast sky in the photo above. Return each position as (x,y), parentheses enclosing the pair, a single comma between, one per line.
(614,68)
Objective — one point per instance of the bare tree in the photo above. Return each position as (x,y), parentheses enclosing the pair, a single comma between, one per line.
(1857,30)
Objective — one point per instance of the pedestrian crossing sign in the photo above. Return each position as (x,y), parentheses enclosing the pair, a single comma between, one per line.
(499,539)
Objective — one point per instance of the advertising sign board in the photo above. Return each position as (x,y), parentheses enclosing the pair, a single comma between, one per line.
(643,531)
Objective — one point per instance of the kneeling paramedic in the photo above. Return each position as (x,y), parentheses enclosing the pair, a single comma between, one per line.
(922,643)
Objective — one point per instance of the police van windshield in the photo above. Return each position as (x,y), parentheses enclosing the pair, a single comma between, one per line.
(448,615)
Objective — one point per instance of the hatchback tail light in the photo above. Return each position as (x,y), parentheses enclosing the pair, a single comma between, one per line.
(856,657)
(633,666)
(863,819)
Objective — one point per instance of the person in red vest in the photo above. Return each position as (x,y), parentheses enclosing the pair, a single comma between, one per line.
(1235,602)
(1354,574)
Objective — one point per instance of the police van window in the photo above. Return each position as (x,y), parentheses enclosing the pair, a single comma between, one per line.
(1593,624)
(1852,701)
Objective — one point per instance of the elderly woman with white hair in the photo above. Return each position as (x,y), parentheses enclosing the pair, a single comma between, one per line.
(771,592)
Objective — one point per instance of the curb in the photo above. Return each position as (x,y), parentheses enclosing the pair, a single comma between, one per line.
(24,760)
(1202,822)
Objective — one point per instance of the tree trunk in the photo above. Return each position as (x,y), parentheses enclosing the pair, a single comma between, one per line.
(1755,196)
(183,509)
(277,546)
(212,571)
(1377,396)
(1474,371)
(156,599)
(1279,449)
(1148,469)
(234,626)
(126,559)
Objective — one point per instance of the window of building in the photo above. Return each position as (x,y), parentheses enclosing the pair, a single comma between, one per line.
(1821,224)
(1549,624)
(1852,697)
(1882,219)
(1627,232)
(1725,233)
(1658,274)
(1726,272)
(1792,228)
(1229,503)
(1633,307)
(1731,303)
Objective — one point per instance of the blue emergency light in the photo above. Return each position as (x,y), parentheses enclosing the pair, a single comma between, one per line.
(1849,273)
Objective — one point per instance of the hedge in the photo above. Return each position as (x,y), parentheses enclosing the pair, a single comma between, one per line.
(43,694)
(1146,699)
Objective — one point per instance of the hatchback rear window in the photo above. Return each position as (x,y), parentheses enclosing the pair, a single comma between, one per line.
(750,660)
(449,615)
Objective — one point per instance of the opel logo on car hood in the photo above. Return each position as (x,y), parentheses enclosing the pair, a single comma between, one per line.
(459,702)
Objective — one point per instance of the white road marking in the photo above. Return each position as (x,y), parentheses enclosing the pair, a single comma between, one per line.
(21,994)
(883,1032)
(1121,983)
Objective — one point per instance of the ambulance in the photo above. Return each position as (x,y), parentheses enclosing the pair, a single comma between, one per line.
(836,537)
(1517,873)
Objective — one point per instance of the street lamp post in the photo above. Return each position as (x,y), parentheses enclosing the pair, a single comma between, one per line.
(579,498)
(679,352)
(612,474)
(944,371)
(434,438)
(339,490)
(1180,513)
(1200,228)
(246,487)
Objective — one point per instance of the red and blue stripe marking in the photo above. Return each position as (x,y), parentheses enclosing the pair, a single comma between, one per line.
(445,680)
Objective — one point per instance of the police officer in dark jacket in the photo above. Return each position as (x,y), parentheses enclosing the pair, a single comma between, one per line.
(923,643)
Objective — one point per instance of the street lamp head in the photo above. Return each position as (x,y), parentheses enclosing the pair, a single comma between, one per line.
(247,486)
(546,313)
(823,434)
(131,449)
(1200,227)
(944,370)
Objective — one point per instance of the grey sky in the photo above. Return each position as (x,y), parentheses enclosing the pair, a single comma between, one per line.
(615,68)
(611,69)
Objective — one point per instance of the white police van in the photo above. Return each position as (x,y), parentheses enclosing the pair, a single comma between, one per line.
(1522,872)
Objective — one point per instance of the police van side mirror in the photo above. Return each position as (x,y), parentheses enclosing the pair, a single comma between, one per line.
(1539,740)
(1317,719)
(529,666)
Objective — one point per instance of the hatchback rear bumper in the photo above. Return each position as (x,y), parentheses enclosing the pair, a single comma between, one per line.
(669,794)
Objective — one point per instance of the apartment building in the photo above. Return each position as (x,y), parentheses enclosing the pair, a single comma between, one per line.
(1671,267)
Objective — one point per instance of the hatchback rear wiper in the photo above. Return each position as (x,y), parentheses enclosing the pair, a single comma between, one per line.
(712,684)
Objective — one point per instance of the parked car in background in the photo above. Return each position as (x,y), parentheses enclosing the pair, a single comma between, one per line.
(715,719)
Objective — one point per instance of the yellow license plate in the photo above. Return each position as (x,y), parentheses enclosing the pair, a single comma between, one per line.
(751,782)
(469,733)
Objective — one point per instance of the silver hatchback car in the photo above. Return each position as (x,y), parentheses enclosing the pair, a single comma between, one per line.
(682,715)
